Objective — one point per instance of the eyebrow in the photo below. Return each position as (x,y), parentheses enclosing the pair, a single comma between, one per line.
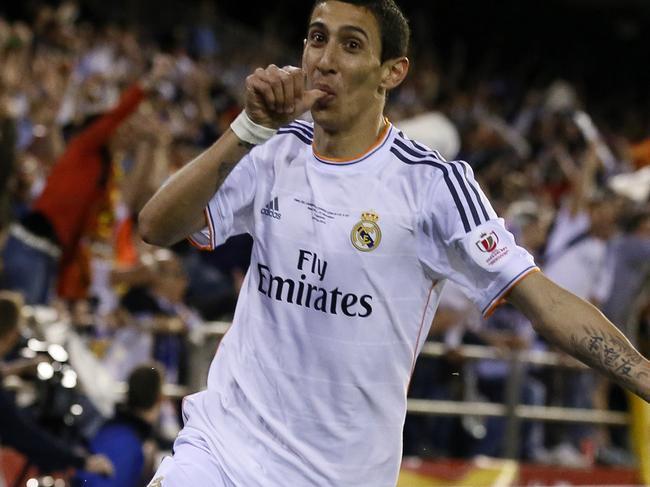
(321,25)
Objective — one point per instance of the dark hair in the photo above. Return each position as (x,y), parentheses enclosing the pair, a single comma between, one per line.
(9,312)
(145,388)
(393,25)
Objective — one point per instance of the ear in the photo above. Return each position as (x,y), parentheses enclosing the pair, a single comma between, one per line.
(393,72)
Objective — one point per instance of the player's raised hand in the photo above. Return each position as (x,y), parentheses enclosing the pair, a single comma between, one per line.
(276,96)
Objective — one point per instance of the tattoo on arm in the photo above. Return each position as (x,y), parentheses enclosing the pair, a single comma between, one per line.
(226,166)
(610,354)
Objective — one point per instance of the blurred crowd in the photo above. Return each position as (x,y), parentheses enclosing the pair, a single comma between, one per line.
(94,118)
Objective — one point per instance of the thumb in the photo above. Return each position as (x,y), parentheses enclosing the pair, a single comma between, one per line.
(312,96)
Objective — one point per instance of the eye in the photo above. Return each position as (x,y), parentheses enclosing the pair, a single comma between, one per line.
(353,45)
(317,37)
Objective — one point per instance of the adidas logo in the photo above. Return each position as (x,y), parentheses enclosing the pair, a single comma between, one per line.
(272,209)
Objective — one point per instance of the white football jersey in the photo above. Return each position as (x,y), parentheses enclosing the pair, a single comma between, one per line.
(308,387)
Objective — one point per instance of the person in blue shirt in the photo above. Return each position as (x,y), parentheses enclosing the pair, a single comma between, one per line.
(122,438)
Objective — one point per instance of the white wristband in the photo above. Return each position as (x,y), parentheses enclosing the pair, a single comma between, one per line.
(249,131)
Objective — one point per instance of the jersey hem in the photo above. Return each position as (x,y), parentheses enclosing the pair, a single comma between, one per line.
(210,226)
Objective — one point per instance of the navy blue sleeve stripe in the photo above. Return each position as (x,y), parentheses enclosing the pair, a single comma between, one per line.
(473,185)
(301,128)
(298,134)
(466,184)
(414,153)
(445,172)
(303,123)
(289,128)
(418,146)
(304,128)
(461,176)
(462,183)
(423,149)
(439,155)
(463,186)
(308,132)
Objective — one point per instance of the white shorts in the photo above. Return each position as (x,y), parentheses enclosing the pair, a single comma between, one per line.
(193,464)
(190,466)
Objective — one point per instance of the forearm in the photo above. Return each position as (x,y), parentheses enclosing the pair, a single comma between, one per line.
(598,343)
(177,208)
(581,330)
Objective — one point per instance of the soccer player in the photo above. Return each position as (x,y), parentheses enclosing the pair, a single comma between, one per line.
(356,229)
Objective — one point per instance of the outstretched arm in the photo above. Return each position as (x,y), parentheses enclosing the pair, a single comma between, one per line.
(582,331)
(274,97)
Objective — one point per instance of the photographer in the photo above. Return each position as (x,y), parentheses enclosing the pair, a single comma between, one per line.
(17,430)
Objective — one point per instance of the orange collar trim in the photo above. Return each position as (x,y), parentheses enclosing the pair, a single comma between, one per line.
(378,143)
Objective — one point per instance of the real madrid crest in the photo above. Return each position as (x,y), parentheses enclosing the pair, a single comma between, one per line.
(366,234)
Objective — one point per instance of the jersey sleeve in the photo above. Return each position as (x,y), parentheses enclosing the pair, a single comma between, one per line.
(461,238)
(230,211)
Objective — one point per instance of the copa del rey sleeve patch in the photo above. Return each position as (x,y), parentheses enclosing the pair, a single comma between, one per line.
(490,245)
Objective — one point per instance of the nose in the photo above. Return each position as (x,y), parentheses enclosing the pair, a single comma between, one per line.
(326,63)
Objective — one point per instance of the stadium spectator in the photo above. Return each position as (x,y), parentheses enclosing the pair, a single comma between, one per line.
(159,305)
(46,242)
(630,271)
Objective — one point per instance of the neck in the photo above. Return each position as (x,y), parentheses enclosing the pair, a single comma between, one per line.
(349,141)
